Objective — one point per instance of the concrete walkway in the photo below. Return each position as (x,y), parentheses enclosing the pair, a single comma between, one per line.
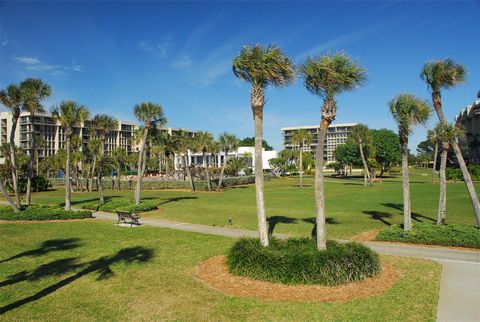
(460,282)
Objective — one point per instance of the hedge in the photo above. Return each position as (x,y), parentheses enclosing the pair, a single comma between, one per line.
(43,212)
(297,261)
(455,174)
(431,234)
(125,205)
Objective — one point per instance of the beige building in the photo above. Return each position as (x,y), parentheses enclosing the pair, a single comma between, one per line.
(336,134)
(469,118)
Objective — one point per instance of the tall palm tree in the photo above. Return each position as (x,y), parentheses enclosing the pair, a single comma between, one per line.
(151,115)
(70,115)
(228,142)
(262,66)
(183,143)
(302,137)
(204,141)
(11,98)
(408,111)
(327,76)
(103,125)
(446,74)
(33,92)
(93,152)
(432,137)
(361,134)
(119,156)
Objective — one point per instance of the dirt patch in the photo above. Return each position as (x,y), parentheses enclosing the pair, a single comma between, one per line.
(214,273)
(366,235)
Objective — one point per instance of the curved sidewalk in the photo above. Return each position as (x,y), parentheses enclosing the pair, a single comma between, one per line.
(460,282)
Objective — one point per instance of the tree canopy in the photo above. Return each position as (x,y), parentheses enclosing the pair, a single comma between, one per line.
(250,141)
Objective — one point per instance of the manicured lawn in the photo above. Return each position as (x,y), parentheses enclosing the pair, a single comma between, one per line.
(94,270)
(351,207)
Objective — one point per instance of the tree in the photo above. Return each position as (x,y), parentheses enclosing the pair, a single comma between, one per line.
(348,154)
(103,125)
(11,98)
(250,141)
(362,136)
(446,74)
(432,137)
(119,156)
(204,140)
(302,137)
(262,66)
(408,111)
(327,76)
(235,165)
(70,115)
(387,148)
(33,92)
(228,142)
(183,143)
(151,115)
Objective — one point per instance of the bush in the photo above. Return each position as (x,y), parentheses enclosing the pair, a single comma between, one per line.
(455,174)
(125,205)
(39,183)
(297,261)
(43,212)
(432,234)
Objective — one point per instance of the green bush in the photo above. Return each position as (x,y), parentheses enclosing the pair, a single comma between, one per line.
(43,212)
(431,234)
(297,261)
(455,174)
(39,183)
(125,205)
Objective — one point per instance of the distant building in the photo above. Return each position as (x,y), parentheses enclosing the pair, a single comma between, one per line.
(336,134)
(469,118)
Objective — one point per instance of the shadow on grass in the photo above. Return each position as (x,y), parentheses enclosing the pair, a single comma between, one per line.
(415,216)
(274,220)
(100,266)
(313,221)
(378,215)
(53,245)
(79,202)
(175,199)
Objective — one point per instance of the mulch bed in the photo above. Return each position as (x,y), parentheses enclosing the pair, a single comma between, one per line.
(214,273)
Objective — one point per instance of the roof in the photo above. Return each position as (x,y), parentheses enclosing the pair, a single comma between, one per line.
(317,126)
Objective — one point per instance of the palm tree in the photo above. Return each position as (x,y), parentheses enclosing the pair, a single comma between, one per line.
(361,134)
(70,115)
(228,142)
(262,67)
(119,155)
(432,137)
(446,74)
(103,125)
(327,76)
(93,152)
(183,143)
(33,92)
(151,115)
(407,110)
(302,137)
(11,98)
(203,141)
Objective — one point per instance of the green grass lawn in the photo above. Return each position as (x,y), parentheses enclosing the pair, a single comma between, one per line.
(351,207)
(92,270)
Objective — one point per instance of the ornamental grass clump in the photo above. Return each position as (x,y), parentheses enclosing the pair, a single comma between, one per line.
(297,261)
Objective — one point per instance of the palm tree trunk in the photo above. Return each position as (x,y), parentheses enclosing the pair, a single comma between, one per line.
(119,185)
(32,158)
(68,205)
(301,169)
(435,153)
(321,231)
(100,173)
(442,200)
(437,103)
(220,180)
(407,213)
(7,196)
(92,174)
(189,174)
(205,168)
(365,166)
(13,160)
(258,120)
(138,188)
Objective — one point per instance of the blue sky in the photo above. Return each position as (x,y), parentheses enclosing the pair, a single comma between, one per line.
(111,55)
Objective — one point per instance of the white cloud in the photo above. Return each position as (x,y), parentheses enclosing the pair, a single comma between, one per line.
(159,50)
(33,63)
(182,62)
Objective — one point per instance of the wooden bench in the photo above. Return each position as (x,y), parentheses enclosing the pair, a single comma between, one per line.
(127,215)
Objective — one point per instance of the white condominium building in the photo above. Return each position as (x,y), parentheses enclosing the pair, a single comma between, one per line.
(336,134)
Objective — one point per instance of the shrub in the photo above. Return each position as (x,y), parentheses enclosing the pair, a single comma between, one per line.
(455,174)
(297,261)
(39,183)
(125,205)
(432,234)
(43,212)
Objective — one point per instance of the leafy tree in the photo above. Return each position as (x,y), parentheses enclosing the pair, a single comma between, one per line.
(387,148)
(151,115)
(228,142)
(348,154)
(302,137)
(446,74)
(69,114)
(363,137)
(328,76)
(408,111)
(250,141)
(262,66)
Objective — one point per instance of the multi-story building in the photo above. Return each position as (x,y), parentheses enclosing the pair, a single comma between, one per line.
(469,118)
(336,134)
(50,135)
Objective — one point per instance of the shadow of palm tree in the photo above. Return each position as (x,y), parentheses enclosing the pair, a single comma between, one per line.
(79,202)
(53,245)
(415,216)
(100,266)
(274,220)
(313,221)
(378,215)
(175,199)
